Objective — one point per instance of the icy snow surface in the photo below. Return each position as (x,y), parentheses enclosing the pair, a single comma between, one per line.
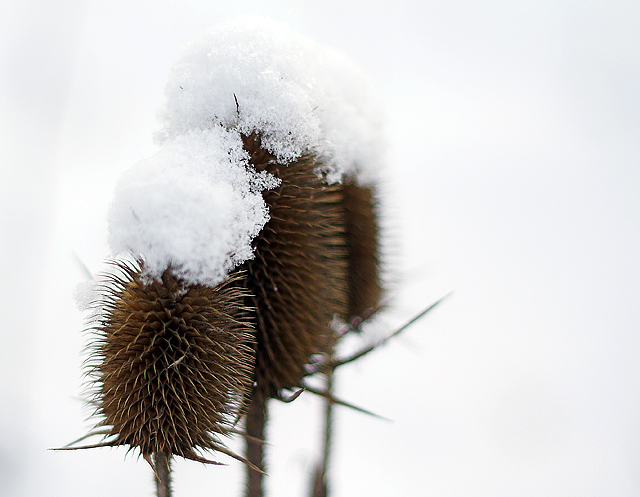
(197,204)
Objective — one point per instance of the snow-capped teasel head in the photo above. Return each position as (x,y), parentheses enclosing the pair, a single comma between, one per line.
(260,76)
(195,206)
(236,244)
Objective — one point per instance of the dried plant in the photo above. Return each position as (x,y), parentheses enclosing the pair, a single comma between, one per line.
(255,227)
(175,365)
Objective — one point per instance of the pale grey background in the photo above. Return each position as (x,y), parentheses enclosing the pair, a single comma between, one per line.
(513,179)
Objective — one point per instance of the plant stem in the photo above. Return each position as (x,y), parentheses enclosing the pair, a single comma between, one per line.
(256,420)
(321,486)
(163,472)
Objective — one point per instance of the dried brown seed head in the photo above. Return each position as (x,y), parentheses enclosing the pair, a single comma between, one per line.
(173,363)
(316,258)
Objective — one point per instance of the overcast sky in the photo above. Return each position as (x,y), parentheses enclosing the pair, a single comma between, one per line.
(513,180)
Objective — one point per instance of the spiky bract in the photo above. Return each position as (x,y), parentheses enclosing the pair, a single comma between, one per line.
(173,364)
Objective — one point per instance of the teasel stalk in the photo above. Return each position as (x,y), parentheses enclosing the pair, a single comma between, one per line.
(320,482)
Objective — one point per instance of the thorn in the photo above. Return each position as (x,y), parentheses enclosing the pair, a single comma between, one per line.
(103,444)
(291,398)
(366,350)
(248,437)
(147,458)
(90,434)
(333,400)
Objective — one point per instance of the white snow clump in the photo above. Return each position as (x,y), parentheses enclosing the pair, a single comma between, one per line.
(197,204)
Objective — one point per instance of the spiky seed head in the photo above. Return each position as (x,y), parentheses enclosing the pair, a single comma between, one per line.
(298,278)
(174,363)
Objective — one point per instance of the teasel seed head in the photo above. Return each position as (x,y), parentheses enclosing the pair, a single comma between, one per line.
(316,258)
(173,363)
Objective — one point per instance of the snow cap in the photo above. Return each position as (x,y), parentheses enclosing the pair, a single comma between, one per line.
(197,204)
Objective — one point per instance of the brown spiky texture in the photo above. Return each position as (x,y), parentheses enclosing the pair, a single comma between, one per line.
(361,220)
(172,363)
(298,278)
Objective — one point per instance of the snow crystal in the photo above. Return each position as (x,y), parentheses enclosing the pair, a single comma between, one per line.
(197,204)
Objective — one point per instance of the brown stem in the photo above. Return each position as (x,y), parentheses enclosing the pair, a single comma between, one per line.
(163,474)
(256,420)
(321,485)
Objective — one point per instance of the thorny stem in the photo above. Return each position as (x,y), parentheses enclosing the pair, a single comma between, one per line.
(320,483)
(256,420)
(163,474)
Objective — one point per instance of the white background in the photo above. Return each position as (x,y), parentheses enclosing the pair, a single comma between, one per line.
(513,180)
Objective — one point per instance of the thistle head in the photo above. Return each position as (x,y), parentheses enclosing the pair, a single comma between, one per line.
(171,364)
